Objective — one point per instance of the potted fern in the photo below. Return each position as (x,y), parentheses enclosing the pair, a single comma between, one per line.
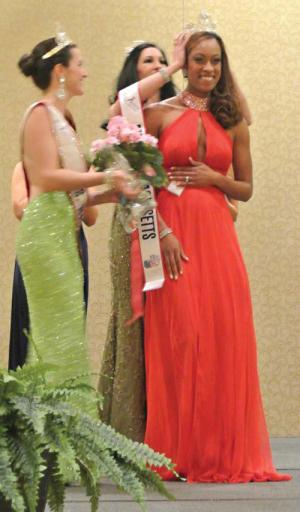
(47,441)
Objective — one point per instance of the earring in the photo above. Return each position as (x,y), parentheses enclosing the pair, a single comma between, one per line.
(184,72)
(61,93)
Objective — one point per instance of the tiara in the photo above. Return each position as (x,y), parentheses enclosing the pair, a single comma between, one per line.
(62,41)
(134,44)
(205,24)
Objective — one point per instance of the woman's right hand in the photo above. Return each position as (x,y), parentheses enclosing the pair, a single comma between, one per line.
(121,183)
(179,55)
(173,255)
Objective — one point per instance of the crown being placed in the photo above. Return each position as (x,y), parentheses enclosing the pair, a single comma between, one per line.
(62,41)
(134,44)
(205,24)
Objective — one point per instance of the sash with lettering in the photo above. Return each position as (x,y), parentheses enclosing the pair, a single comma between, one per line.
(145,248)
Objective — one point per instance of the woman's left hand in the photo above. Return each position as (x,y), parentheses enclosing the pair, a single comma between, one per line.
(179,54)
(196,175)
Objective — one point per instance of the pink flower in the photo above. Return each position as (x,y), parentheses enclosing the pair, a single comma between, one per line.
(129,134)
(97,145)
(119,130)
(115,125)
(116,122)
(149,139)
(135,135)
(148,170)
(110,140)
(125,134)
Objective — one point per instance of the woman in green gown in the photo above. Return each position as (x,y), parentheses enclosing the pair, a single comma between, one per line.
(47,243)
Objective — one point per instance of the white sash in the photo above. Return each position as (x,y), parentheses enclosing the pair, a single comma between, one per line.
(131,109)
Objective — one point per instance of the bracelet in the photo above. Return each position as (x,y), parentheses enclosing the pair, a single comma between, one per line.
(165,232)
(165,75)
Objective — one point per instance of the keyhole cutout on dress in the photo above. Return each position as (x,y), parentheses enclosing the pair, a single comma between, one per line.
(201,140)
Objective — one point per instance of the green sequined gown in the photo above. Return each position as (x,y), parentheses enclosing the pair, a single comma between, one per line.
(47,251)
(122,378)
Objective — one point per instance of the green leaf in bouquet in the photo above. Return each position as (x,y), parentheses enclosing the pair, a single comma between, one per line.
(104,159)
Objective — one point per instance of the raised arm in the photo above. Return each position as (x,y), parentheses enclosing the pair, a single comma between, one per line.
(152,84)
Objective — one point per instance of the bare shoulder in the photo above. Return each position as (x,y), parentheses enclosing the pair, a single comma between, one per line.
(38,141)
(153,115)
(37,121)
(159,115)
(155,108)
(163,106)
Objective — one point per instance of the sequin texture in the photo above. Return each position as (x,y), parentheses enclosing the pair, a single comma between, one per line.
(49,259)
(122,379)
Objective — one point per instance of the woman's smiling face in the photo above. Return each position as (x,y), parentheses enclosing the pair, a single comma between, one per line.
(204,66)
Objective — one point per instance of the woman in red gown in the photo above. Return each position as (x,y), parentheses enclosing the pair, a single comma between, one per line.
(204,407)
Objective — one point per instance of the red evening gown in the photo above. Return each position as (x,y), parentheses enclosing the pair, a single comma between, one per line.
(204,407)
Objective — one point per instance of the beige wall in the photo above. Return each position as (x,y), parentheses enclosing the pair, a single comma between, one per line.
(263,39)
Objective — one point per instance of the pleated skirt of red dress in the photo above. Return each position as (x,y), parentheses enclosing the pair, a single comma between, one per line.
(204,407)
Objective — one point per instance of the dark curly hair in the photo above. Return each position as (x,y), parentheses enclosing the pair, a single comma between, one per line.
(128,74)
(40,70)
(224,103)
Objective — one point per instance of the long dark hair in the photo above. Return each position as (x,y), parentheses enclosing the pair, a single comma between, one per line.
(224,103)
(32,64)
(128,74)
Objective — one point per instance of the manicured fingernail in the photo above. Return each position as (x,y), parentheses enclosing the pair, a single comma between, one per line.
(176,277)
(181,272)
(171,277)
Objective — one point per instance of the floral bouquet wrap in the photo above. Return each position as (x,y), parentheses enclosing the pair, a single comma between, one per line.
(136,153)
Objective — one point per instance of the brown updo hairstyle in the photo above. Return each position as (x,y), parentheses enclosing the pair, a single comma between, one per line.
(40,69)
(224,103)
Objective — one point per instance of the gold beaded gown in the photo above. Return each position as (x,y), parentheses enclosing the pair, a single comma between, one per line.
(122,376)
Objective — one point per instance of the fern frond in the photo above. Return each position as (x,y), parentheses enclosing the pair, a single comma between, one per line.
(137,453)
(27,461)
(34,373)
(8,482)
(131,483)
(153,481)
(32,410)
(67,465)
(56,488)
(93,489)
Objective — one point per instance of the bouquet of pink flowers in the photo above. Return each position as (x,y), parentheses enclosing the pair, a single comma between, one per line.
(136,153)
(140,150)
